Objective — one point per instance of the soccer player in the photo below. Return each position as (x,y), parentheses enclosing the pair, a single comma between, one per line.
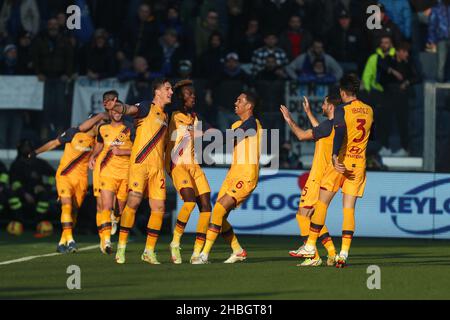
(322,133)
(72,174)
(113,149)
(241,179)
(187,176)
(108,96)
(146,167)
(352,124)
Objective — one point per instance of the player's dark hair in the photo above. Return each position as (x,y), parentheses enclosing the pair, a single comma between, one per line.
(350,84)
(334,98)
(158,83)
(252,98)
(112,93)
(178,89)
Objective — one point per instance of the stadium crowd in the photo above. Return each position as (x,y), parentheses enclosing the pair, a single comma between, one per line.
(221,42)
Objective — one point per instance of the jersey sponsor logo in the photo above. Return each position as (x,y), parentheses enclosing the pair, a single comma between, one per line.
(413,203)
(355,150)
(117,142)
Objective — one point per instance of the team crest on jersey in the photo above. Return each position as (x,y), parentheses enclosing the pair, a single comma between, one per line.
(106,135)
(135,184)
(185,182)
(80,141)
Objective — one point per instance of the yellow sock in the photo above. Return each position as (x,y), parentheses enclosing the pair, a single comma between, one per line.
(348,228)
(153,229)
(317,222)
(327,242)
(126,223)
(202,228)
(303,224)
(98,220)
(182,219)
(230,237)
(106,225)
(66,224)
(214,227)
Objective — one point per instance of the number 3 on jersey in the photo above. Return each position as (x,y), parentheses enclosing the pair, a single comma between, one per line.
(361,123)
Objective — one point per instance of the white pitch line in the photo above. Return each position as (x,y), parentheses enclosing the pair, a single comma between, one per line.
(43,255)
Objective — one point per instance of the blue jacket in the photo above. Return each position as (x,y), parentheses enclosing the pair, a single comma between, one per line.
(438,26)
(400,12)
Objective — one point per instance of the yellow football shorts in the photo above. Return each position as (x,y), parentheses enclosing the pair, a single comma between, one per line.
(309,196)
(70,187)
(239,188)
(352,183)
(145,177)
(117,186)
(190,176)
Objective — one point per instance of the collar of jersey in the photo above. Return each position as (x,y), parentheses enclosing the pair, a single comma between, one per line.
(158,108)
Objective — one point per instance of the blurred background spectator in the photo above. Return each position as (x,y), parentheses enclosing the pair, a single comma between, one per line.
(270,48)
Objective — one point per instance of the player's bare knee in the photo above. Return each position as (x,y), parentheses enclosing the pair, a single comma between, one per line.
(134,200)
(188,194)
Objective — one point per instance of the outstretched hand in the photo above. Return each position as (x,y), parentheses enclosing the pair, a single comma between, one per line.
(306,105)
(110,104)
(286,114)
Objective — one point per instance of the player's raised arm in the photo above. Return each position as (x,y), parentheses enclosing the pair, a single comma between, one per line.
(122,108)
(65,137)
(91,122)
(302,135)
(307,108)
(52,144)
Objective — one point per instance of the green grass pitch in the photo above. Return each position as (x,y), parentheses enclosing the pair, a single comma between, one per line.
(410,269)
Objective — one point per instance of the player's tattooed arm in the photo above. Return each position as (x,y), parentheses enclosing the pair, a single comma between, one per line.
(307,108)
(302,135)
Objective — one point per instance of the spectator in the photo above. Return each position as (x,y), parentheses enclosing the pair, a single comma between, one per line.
(274,14)
(345,44)
(211,61)
(269,48)
(53,57)
(304,64)
(237,21)
(9,65)
(388,28)
(141,78)
(168,53)
(271,71)
(250,40)
(203,31)
(439,35)
(140,35)
(24,57)
(400,12)
(100,57)
(318,74)
(52,54)
(173,21)
(32,181)
(295,40)
(16,16)
(377,64)
(396,80)
(184,70)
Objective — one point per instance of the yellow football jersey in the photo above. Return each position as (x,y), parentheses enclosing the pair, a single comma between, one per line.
(75,159)
(353,120)
(151,133)
(247,148)
(120,136)
(180,145)
(323,135)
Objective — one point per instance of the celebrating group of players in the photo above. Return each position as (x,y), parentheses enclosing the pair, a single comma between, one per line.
(129,164)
